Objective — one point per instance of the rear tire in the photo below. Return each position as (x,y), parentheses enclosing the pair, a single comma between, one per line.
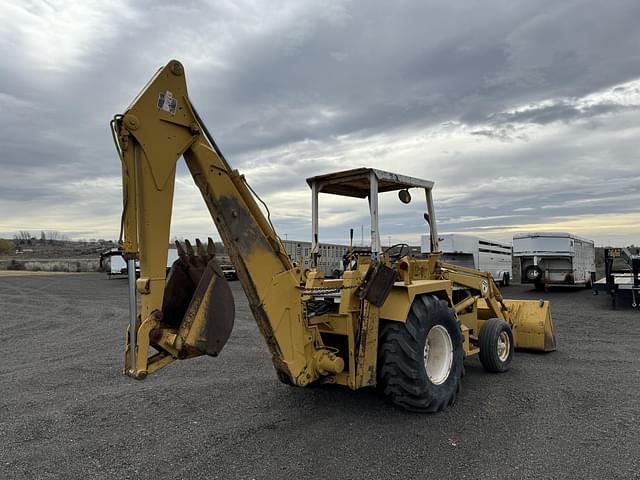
(506,280)
(496,345)
(420,362)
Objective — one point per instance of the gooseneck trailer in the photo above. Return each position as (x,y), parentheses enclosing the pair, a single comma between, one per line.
(621,275)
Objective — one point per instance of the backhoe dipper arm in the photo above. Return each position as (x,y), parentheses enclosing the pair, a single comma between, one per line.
(157,129)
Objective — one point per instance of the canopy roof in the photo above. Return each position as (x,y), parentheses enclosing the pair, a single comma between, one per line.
(355,182)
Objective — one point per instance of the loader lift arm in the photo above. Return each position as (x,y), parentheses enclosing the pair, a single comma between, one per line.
(159,127)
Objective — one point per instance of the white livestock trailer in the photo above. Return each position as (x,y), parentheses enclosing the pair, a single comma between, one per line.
(555,258)
(474,252)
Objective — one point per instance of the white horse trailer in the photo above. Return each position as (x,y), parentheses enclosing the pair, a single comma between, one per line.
(474,252)
(555,258)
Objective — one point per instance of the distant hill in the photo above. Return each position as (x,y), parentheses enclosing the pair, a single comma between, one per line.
(52,255)
(53,249)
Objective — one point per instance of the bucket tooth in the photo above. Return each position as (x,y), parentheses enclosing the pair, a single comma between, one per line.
(200,248)
(211,247)
(190,251)
(181,252)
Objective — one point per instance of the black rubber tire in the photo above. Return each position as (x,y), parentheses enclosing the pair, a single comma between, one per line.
(506,279)
(401,371)
(488,342)
(532,268)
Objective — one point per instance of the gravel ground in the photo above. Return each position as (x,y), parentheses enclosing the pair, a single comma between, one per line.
(67,412)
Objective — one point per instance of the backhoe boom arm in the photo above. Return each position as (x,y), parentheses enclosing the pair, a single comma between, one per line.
(159,127)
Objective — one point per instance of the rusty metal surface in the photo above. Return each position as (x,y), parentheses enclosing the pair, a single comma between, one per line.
(183,278)
(208,322)
(198,301)
(377,284)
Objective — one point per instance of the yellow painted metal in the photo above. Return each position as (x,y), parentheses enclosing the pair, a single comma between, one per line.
(341,346)
(397,305)
(151,140)
(530,322)
(532,325)
(367,346)
(350,303)
(465,304)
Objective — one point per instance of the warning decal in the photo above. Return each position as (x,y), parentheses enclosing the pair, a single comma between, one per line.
(167,102)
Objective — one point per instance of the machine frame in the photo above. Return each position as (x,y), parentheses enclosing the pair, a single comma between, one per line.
(317,329)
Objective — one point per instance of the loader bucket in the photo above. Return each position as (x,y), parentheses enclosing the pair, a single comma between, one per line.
(531,324)
(198,302)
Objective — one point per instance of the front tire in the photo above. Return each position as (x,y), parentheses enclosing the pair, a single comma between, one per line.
(420,362)
(496,345)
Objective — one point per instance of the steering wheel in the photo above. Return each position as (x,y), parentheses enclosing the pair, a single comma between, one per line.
(398,255)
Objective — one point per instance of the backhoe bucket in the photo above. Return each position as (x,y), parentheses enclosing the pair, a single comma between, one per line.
(531,324)
(198,302)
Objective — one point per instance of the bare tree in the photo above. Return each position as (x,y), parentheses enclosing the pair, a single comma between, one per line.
(22,237)
(53,236)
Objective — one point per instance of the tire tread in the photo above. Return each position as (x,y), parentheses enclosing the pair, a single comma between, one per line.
(487,342)
(400,346)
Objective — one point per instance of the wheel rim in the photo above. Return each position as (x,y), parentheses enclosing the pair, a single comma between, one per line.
(533,273)
(503,346)
(438,354)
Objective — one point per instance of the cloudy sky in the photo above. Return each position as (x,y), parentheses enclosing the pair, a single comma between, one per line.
(525,114)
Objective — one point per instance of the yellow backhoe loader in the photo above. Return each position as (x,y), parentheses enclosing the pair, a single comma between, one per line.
(402,323)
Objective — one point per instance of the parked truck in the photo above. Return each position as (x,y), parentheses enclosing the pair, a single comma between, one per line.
(555,259)
(112,261)
(474,252)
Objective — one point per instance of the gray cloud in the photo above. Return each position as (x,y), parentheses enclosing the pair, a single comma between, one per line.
(309,87)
